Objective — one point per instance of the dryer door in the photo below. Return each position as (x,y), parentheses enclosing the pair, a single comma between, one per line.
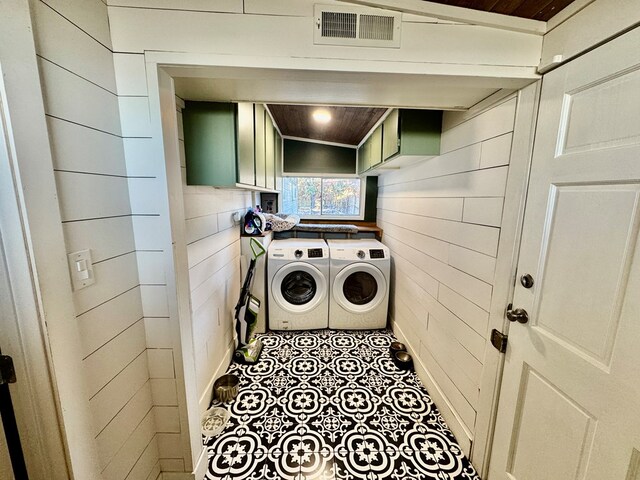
(299,287)
(359,287)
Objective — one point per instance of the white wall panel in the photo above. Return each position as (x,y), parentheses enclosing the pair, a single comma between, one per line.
(164,391)
(141,157)
(441,219)
(106,404)
(160,363)
(124,423)
(84,196)
(134,115)
(113,277)
(158,331)
(107,237)
(137,30)
(233,6)
(105,363)
(154,300)
(62,43)
(127,456)
(483,211)
(480,183)
(492,123)
(131,74)
(496,151)
(101,324)
(151,268)
(167,419)
(90,15)
(75,99)
(81,149)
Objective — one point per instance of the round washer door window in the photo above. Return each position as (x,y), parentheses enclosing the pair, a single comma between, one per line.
(359,287)
(299,287)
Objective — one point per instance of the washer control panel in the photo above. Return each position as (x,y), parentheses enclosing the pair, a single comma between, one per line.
(315,253)
(376,253)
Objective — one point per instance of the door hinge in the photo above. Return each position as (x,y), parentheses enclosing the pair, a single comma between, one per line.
(499,340)
(7,371)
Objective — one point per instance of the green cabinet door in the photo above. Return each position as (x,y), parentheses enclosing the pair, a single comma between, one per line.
(420,132)
(269,144)
(390,135)
(375,151)
(210,143)
(246,144)
(278,160)
(363,156)
(261,166)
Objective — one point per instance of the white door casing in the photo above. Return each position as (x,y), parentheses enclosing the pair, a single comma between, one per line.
(570,399)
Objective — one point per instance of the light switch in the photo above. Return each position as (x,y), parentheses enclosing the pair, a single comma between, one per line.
(81,269)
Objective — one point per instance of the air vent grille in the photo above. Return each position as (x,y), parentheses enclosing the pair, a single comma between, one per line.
(356,26)
(339,25)
(376,27)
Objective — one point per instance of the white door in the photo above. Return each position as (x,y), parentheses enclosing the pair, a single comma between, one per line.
(570,400)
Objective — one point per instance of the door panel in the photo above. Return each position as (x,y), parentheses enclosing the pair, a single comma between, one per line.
(260,143)
(246,144)
(570,399)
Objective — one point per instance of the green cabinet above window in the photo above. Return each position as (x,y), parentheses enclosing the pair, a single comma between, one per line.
(404,137)
(225,145)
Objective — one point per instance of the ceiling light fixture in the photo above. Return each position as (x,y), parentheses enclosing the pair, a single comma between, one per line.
(322,116)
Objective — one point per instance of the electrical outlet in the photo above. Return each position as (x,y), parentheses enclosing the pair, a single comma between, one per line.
(81,269)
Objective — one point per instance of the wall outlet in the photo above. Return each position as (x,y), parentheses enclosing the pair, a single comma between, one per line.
(81,269)
(237,218)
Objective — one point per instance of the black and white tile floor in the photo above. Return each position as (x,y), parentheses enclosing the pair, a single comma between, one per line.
(331,405)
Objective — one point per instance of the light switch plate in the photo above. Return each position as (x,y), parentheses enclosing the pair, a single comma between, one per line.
(81,269)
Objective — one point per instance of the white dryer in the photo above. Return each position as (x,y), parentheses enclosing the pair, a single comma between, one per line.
(298,284)
(360,276)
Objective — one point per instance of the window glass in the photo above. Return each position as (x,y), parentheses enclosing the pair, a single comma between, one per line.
(312,196)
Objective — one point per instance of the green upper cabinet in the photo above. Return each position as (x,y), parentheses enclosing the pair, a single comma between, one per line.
(375,152)
(270,152)
(412,132)
(390,138)
(229,145)
(404,137)
(370,152)
(246,144)
(278,161)
(210,143)
(261,158)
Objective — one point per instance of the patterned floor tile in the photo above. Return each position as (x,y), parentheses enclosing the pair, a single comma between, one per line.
(332,405)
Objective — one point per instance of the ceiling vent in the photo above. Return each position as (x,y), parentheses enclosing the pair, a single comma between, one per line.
(356,26)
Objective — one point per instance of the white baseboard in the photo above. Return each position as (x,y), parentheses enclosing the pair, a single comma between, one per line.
(462,434)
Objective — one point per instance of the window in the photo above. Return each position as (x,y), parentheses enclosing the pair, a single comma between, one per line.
(327,197)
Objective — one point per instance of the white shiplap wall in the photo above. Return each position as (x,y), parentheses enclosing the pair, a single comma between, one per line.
(213,250)
(441,219)
(82,107)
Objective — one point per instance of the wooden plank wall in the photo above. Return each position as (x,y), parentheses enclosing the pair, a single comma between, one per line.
(82,107)
(441,219)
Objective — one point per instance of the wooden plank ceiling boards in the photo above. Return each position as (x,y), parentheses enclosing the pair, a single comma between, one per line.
(541,10)
(348,125)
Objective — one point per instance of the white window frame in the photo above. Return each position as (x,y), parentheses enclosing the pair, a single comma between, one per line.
(363,195)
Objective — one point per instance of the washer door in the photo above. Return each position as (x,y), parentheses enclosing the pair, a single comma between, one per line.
(299,287)
(359,287)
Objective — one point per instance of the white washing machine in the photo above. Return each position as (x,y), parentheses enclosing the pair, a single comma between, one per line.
(360,276)
(298,284)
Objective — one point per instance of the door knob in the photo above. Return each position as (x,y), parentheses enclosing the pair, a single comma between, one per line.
(526,280)
(519,315)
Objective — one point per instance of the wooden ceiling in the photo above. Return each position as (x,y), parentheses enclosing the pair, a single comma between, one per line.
(348,125)
(534,9)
